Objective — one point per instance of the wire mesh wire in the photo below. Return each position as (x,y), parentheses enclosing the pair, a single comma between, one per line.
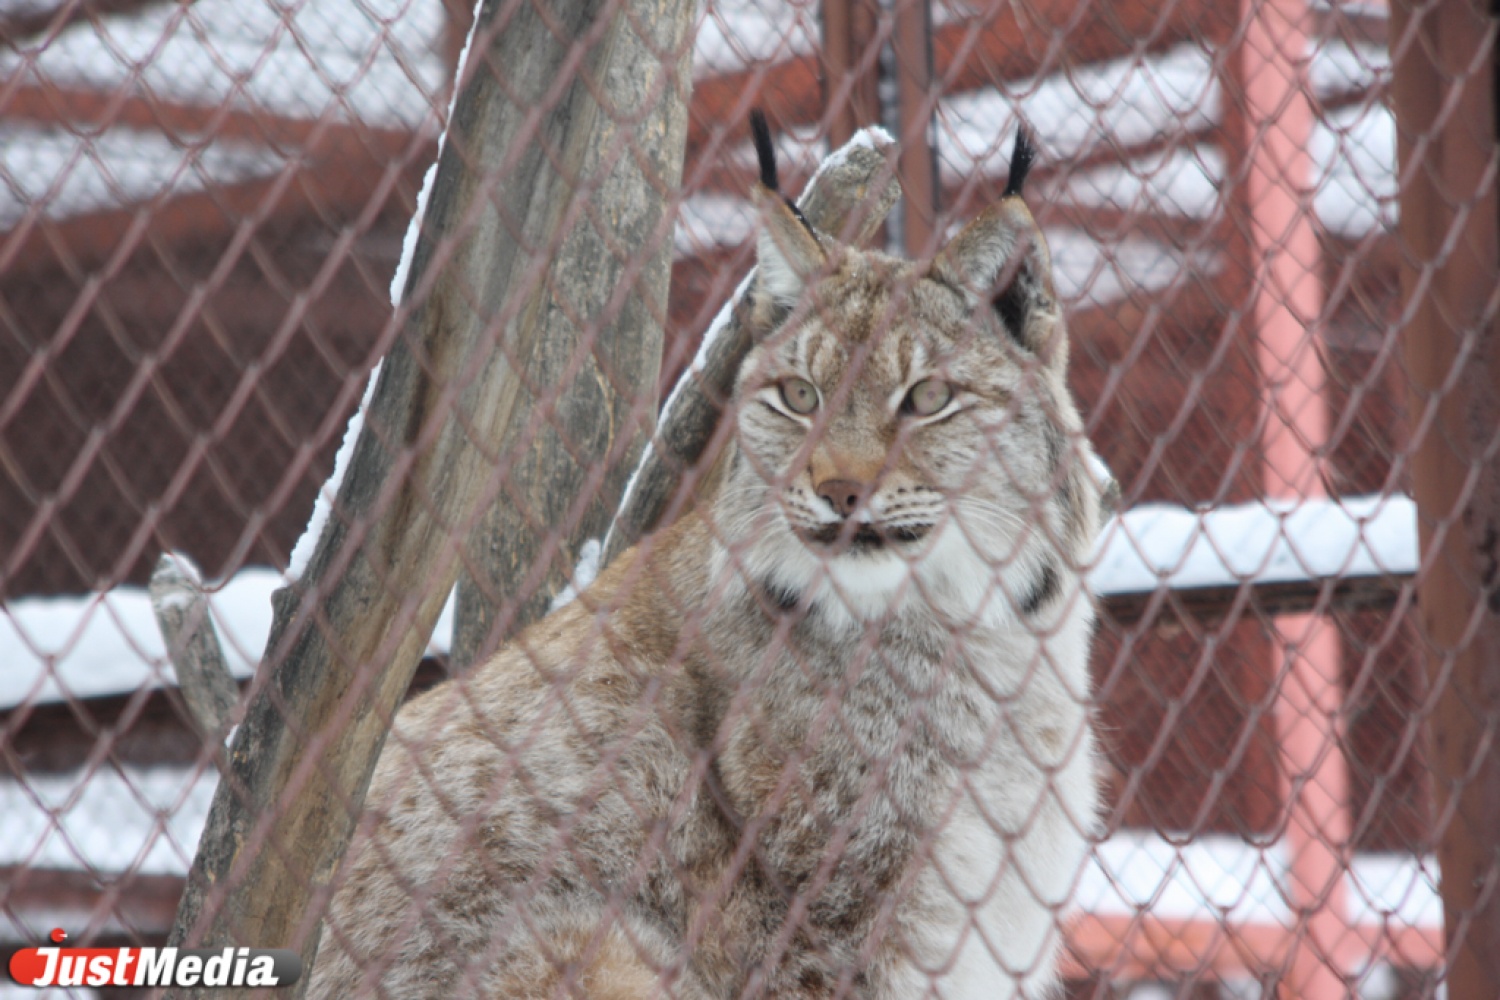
(204,208)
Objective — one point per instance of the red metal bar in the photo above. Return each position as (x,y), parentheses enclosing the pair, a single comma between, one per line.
(916,164)
(1269,121)
(851,96)
(1446,77)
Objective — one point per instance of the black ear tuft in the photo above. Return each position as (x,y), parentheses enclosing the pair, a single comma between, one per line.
(765,150)
(1021,159)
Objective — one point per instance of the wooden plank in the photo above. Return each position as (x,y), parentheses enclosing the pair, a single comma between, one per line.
(343,647)
(23,99)
(145,728)
(34,24)
(1207,607)
(104,909)
(342,181)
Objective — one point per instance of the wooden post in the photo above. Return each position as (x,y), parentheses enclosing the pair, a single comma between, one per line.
(531,153)
(1445,82)
(587,394)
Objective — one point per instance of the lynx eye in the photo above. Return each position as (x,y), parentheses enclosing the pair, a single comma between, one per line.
(928,397)
(799,395)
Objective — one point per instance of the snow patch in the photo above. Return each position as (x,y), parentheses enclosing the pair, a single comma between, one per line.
(414,227)
(1161,545)
(60,173)
(143,820)
(735,34)
(101,645)
(584,573)
(307,543)
(1229,880)
(379,62)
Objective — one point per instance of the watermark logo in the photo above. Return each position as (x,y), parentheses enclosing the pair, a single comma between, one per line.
(59,965)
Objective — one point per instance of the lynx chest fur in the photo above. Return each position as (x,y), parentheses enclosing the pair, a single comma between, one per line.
(826,736)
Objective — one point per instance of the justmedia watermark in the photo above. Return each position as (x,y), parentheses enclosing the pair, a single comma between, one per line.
(58,965)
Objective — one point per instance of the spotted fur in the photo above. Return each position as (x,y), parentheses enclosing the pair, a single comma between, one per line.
(774,751)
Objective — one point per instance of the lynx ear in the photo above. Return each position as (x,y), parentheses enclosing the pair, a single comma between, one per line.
(1001,259)
(788,251)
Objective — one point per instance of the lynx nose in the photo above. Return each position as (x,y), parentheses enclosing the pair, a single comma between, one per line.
(843,494)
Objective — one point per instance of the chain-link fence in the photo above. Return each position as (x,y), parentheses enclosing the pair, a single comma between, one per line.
(826,730)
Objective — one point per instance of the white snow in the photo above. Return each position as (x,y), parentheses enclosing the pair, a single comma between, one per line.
(414,227)
(419,215)
(307,543)
(1089,273)
(1120,102)
(711,222)
(583,573)
(1355,188)
(55,648)
(1182,183)
(376,61)
(1160,545)
(1134,100)
(734,34)
(1226,879)
(144,820)
(59,173)
(107,644)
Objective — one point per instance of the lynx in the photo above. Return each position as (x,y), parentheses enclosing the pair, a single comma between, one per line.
(828,735)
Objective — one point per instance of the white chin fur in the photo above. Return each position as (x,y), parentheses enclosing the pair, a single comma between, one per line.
(943,572)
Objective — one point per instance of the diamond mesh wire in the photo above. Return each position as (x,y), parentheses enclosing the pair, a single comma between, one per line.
(202,212)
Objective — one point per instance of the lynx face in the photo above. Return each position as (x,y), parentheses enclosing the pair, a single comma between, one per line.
(905,429)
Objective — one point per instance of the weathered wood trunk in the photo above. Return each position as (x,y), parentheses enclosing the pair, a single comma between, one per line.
(528,184)
(587,392)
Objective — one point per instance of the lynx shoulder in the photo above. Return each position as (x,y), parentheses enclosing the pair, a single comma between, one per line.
(829,734)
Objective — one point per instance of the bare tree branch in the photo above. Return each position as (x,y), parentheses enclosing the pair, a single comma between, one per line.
(193,646)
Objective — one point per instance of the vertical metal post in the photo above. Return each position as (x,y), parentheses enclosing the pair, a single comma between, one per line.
(1445,83)
(1269,121)
(917,163)
(851,67)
